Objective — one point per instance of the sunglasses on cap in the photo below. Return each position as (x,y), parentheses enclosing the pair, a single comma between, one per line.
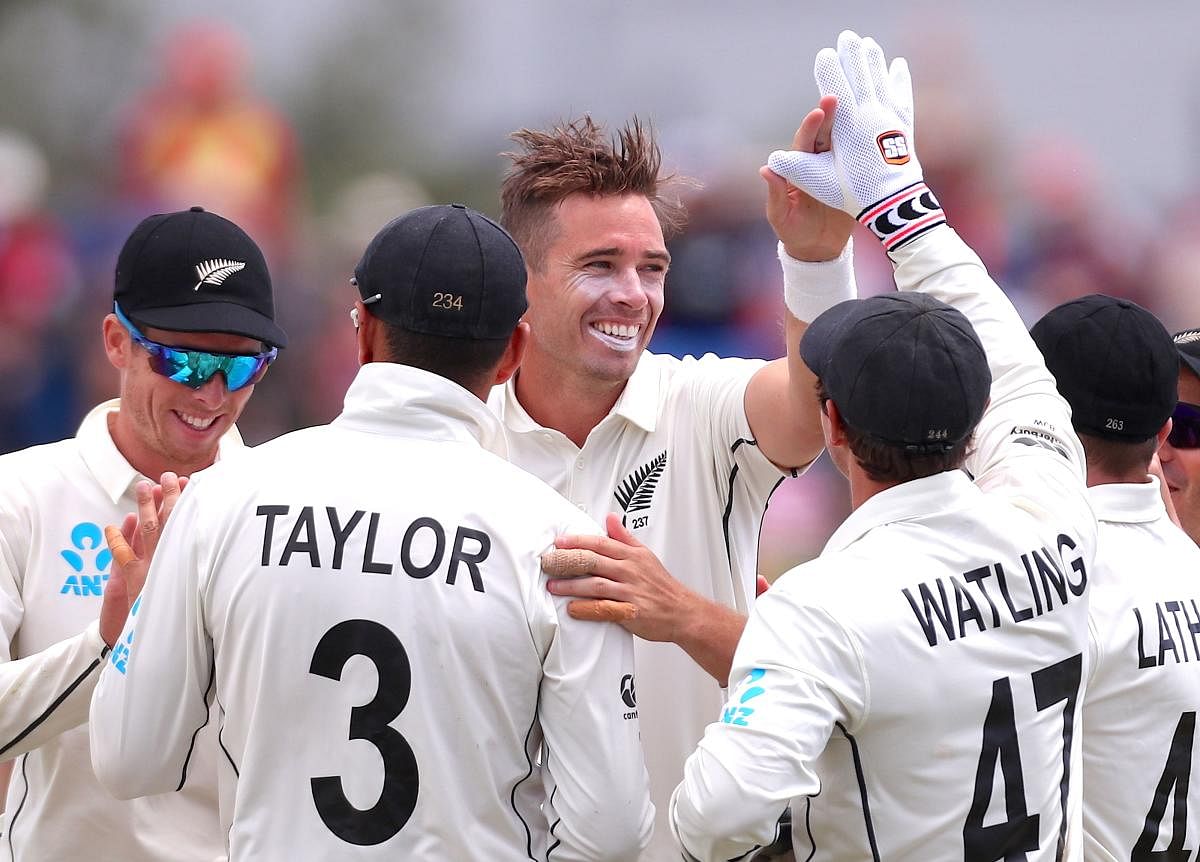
(1185,426)
(194,368)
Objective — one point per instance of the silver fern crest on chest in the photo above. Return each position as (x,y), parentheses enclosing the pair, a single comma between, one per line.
(215,271)
(636,490)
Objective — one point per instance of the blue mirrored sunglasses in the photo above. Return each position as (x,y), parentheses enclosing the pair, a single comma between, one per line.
(1185,426)
(194,368)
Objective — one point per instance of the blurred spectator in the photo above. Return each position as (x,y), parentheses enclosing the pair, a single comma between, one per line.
(1069,242)
(37,280)
(198,136)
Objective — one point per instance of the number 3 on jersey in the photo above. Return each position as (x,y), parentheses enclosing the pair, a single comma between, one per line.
(1011,840)
(398,799)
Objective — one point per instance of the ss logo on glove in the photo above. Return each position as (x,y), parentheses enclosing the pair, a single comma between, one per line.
(894,147)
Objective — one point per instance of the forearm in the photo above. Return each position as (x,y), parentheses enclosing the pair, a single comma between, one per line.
(709,634)
(48,693)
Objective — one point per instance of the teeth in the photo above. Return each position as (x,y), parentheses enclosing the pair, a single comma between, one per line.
(619,330)
(196,422)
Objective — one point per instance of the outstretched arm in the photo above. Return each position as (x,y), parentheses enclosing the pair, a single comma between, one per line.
(814,249)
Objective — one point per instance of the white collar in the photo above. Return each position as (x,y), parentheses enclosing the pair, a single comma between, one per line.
(386,397)
(908,501)
(1128,503)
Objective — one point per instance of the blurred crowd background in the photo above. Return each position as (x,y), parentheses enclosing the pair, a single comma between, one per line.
(1061,142)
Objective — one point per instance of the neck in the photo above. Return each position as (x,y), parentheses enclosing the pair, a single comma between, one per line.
(570,404)
(1096,476)
(863,487)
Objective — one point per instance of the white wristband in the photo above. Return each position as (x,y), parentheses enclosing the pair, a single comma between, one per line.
(811,288)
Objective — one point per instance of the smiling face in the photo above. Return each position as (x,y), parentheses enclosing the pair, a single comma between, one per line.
(1181,467)
(164,425)
(597,296)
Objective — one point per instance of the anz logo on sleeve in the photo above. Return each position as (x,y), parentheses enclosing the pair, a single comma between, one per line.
(89,559)
(737,712)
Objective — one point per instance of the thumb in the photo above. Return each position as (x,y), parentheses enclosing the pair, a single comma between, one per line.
(814,173)
(617,531)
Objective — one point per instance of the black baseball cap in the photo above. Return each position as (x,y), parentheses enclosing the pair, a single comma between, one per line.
(444,270)
(903,367)
(1114,364)
(194,271)
(1187,343)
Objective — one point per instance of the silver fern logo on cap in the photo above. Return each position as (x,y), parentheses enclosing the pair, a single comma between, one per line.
(215,272)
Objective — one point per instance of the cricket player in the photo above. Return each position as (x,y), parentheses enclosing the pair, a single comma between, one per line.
(680,455)
(913,692)
(1180,452)
(365,602)
(191,331)
(1118,369)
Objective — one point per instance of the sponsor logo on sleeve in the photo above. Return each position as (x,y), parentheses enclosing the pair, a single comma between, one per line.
(737,712)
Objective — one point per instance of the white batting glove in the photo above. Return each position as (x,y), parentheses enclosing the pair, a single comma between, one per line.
(872,171)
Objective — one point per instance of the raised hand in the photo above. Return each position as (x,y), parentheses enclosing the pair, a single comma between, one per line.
(133,548)
(872,171)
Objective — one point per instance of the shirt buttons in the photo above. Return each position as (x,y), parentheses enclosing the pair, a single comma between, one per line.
(582,507)
(579,464)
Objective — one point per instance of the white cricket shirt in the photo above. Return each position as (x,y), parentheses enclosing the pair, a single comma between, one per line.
(916,688)
(1140,782)
(54,503)
(675,457)
(366,599)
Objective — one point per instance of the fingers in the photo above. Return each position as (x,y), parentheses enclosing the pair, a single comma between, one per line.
(901,90)
(602,610)
(831,80)
(851,52)
(172,487)
(761,586)
(805,139)
(119,547)
(129,527)
(617,532)
(824,137)
(569,563)
(876,69)
(147,532)
(602,545)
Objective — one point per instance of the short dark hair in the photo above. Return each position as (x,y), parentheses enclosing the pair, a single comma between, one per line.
(579,156)
(467,362)
(1117,457)
(895,463)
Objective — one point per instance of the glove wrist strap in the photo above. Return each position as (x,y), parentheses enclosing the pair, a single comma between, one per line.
(903,215)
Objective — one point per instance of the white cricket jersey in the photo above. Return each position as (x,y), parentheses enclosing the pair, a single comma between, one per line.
(54,503)
(1139,711)
(916,688)
(367,600)
(676,458)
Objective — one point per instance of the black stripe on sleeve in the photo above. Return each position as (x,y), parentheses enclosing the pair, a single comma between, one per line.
(512,798)
(212,678)
(12,821)
(221,742)
(862,791)
(37,722)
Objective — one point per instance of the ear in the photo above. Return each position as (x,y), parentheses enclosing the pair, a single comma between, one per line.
(835,428)
(117,342)
(513,354)
(1163,433)
(364,333)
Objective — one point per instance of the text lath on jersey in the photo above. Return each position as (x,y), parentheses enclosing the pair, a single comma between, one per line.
(422,550)
(977,596)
